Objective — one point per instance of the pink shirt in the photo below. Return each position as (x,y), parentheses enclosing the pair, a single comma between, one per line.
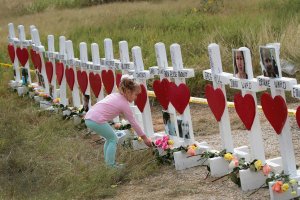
(110,107)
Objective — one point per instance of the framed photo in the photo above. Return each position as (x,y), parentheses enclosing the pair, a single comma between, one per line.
(24,73)
(239,65)
(183,128)
(268,62)
(169,123)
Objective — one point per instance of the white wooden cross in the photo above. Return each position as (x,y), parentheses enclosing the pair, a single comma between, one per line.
(250,86)
(179,74)
(125,65)
(141,76)
(12,40)
(219,79)
(23,43)
(40,49)
(108,61)
(97,67)
(84,66)
(62,61)
(278,86)
(51,55)
(162,65)
(71,64)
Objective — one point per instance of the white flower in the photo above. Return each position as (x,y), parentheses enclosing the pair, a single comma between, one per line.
(215,151)
(124,122)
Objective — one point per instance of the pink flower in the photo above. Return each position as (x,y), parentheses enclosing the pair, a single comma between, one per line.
(234,163)
(277,186)
(158,142)
(165,138)
(165,146)
(266,169)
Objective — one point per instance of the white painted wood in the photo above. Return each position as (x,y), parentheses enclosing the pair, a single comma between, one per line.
(109,59)
(70,63)
(11,39)
(216,69)
(24,44)
(97,68)
(40,49)
(51,58)
(285,138)
(141,76)
(83,67)
(255,134)
(62,58)
(177,64)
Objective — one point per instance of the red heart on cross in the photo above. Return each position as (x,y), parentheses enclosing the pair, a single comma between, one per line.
(179,96)
(82,80)
(118,79)
(216,101)
(275,111)
(32,55)
(49,71)
(70,77)
(38,61)
(245,108)
(141,99)
(298,116)
(22,55)
(161,90)
(59,70)
(11,52)
(95,82)
(108,80)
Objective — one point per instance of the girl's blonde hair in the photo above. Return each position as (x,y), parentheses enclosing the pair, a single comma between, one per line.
(128,84)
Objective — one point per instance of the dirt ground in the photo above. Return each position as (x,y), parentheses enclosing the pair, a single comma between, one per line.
(191,183)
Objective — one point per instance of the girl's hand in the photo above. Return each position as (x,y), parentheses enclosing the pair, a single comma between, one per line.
(147,141)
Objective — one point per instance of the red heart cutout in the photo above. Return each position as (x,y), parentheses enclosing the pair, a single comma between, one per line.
(95,82)
(118,79)
(82,80)
(161,90)
(179,96)
(32,55)
(141,99)
(49,71)
(11,52)
(59,70)
(245,108)
(108,80)
(38,61)
(215,100)
(22,55)
(275,111)
(298,116)
(70,77)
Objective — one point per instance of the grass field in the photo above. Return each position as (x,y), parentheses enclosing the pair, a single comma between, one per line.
(43,157)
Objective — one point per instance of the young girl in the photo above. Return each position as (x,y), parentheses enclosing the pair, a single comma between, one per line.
(111,106)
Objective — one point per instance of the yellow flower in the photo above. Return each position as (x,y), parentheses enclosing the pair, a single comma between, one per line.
(285,187)
(293,181)
(140,139)
(170,142)
(228,156)
(294,193)
(258,165)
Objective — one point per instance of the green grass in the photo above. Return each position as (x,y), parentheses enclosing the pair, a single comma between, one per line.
(46,157)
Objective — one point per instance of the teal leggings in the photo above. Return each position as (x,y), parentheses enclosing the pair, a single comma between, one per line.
(110,146)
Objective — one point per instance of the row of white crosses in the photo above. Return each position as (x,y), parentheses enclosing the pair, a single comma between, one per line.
(249,87)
